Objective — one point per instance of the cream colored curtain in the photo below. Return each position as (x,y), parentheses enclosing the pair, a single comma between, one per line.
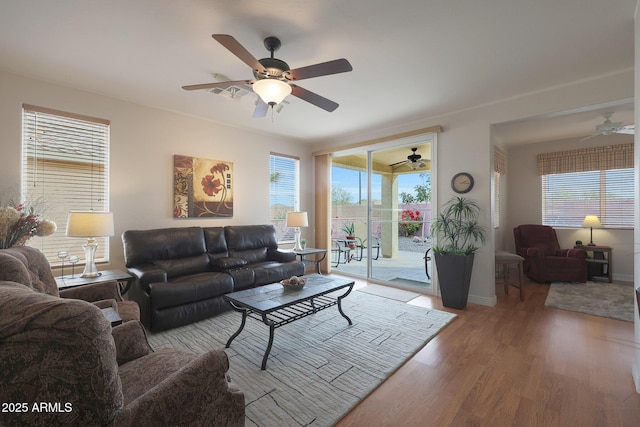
(323,207)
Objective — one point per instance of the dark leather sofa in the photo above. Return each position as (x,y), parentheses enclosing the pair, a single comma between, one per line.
(181,274)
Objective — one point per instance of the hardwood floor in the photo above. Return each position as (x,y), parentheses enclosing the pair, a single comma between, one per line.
(515,364)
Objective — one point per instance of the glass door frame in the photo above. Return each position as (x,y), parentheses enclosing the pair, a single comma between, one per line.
(395,143)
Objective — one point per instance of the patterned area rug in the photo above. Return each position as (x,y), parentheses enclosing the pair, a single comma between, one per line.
(596,298)
(319,367)
(389,292)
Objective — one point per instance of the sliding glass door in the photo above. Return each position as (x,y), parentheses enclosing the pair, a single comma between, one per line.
(381,213)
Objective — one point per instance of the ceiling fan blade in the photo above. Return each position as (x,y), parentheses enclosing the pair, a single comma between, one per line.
(217,84)
(399,163)
(628,129)
(313,98)
(238,50)
(323,69)
(261,109)
(589,137)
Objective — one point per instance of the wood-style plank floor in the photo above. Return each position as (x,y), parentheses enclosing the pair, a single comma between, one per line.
(515,364)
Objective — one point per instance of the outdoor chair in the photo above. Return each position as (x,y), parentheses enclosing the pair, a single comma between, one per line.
(340,251)
(362,243)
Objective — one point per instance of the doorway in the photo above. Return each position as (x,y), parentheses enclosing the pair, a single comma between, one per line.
(381,213)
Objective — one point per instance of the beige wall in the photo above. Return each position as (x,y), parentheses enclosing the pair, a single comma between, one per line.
(143,142)
(466,145)
(524,197)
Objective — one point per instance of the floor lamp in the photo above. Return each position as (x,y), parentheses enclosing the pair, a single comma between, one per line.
(297,220)
(90,224)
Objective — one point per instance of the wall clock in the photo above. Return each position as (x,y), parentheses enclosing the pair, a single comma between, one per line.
(462,182)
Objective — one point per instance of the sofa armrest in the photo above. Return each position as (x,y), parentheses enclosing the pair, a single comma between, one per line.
(148,273)
(535,253)
(131,341)
(280,256)
(199,391)
(94,292)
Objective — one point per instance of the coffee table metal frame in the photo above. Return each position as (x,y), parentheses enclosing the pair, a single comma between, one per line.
(295,308)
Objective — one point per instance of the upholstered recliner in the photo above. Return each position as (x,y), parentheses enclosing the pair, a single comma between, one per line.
(544,261)
(61,363)
(29,266)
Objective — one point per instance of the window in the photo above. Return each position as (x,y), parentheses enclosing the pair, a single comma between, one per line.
(567,198)
(65,166)
(284,192)
(588,181)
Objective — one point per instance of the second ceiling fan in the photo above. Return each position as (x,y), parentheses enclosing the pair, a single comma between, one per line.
(273,79)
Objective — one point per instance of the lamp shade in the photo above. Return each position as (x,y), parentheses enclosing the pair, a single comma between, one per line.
(297,219)
(591,221)
(272,91)
(89,224)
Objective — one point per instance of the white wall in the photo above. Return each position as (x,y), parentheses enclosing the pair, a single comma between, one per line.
(525,195)
(143,142)
(466,145)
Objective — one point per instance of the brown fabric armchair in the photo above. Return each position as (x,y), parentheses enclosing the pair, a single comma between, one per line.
(62,364)
(29,266)
(544,261)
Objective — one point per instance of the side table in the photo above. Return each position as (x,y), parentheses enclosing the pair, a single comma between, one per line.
(312,251)
(599,262)
(123,278)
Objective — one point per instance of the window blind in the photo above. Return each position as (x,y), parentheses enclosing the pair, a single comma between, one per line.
(588,181)
(567,198)
(284,192)
(65,160)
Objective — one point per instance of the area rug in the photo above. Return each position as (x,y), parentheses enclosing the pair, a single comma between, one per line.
(389,292)
(319,366)
(596,298)
(410,282)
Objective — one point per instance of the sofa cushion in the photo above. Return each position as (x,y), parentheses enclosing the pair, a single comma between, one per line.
(272,272)
(142,246)
(181,266)
(243,237)
(188,289)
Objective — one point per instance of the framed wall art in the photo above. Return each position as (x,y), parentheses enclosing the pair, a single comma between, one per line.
(202,187)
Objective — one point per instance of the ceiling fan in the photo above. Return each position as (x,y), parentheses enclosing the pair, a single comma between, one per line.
(273,78)
(609,127)
(414,161)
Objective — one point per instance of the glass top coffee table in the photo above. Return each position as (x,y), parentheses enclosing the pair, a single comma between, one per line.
(276,306)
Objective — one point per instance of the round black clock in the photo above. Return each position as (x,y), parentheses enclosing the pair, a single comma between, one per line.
(462,182)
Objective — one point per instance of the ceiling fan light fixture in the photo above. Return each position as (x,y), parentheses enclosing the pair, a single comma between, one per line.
(272,91)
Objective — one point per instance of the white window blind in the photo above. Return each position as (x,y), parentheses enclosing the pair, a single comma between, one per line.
(568,197)
(65,160)
(284,192)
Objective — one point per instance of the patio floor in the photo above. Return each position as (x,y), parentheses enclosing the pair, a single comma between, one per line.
(407,269)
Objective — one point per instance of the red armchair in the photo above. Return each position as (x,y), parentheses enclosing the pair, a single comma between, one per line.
(544,261)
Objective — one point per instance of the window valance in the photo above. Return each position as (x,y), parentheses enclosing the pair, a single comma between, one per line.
(586,159)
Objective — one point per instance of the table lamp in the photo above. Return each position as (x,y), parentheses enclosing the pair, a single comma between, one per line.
(297,220)
(591,221)
(90,224)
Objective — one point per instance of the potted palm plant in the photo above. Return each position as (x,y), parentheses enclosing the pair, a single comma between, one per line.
(458,235)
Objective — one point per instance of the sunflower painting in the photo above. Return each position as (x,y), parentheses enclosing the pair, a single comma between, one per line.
(202,187)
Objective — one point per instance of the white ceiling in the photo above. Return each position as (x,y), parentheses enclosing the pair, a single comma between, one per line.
(410,59)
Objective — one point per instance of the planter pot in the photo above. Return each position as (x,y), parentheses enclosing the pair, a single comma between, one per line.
(454,275)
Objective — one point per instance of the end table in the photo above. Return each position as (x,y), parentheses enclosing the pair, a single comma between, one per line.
(123,278)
